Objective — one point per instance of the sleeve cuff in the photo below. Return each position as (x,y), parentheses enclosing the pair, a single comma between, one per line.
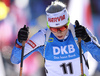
(18,42)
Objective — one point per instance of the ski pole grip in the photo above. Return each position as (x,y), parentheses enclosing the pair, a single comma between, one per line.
(23,43)
(79,39)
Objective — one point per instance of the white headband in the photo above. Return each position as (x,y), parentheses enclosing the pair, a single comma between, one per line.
(57,19)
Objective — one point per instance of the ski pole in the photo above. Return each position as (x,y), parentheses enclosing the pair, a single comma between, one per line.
(21,65)
(81,61)
(80,50)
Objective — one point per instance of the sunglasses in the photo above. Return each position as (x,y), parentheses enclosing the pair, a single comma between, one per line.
(63,28)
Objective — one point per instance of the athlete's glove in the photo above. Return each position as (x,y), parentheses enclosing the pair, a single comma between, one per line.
(80,31)
(23,34)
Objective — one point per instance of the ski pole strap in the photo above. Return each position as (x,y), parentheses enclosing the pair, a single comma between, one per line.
(86,61)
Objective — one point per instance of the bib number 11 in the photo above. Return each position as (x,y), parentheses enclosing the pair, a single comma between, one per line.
(65,68)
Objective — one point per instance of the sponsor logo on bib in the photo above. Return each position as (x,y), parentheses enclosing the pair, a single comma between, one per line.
(62,49)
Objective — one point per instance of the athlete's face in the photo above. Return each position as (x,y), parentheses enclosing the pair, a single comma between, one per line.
(60,32)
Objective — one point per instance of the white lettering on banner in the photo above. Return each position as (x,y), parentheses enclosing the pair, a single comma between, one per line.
(56,19)
(62,49)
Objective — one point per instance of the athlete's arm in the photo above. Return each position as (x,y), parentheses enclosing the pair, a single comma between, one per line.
(35,43)
(93,46)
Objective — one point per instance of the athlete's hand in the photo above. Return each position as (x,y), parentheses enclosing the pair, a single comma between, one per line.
(80,31)
(23,34)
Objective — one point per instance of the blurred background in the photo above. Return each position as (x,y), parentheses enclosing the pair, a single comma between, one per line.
(14,14)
